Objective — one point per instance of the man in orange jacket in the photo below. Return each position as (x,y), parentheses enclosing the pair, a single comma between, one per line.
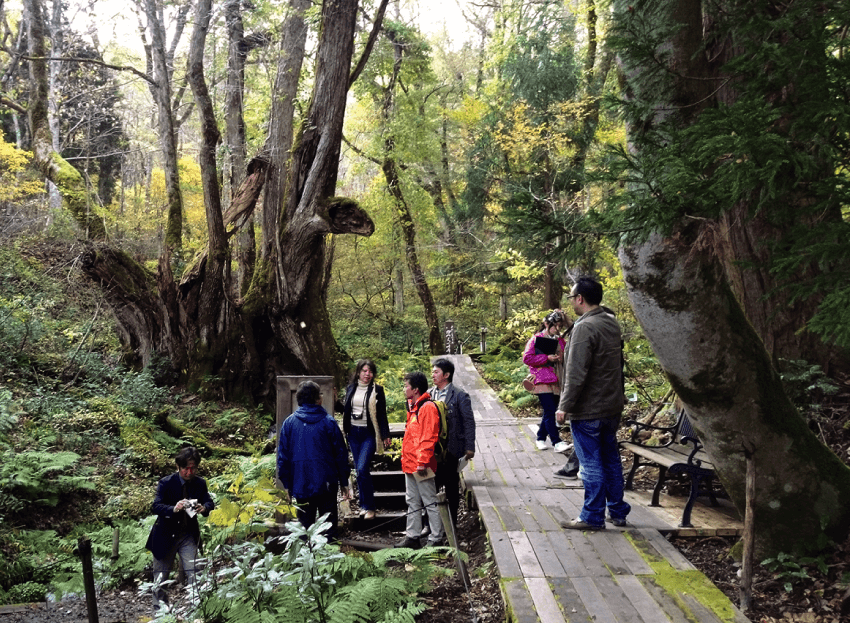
(419,463)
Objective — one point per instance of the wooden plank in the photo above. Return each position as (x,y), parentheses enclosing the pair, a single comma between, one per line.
(699,613)
(525,555)
(568,598)
(593,600)
(492,519)
(609,556)
(527,519)
(617,601)
(643,517)
(482,496)
(665,550)
(665,602)
(518,602)
(587,552)
(543,518)
(635,564)
(503,552)
(544,601)
(546,555)
(568,557)
(647,608)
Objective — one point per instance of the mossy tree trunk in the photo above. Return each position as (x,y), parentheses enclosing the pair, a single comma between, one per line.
(698,290)
(70,183)
(719,367)
(281,325)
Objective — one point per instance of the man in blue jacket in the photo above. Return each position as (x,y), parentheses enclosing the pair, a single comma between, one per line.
(312,460)
(178,501)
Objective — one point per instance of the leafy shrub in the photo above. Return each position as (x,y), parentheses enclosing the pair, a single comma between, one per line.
(391,371)
(39,477)
(27,592)
(310,581)
(8,414)
(140,394)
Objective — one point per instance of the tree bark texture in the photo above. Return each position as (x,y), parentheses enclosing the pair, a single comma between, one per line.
(161,90)
(281,326)
(720,369)
(69,181)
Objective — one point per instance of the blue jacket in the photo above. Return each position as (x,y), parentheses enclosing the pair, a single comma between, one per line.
(169,526)
(311,453)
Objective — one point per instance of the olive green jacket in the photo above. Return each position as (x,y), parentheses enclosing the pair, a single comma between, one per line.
(593,378)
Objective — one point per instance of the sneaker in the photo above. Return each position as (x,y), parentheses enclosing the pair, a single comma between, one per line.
(578,524)
(369,514)
(541,444)
(620,522)
(563,447)
(409,543)
(566,475)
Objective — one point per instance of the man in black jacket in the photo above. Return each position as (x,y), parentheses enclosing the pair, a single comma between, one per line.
(461,430)
(179,498)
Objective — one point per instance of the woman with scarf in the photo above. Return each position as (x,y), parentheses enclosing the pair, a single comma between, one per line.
(364,422)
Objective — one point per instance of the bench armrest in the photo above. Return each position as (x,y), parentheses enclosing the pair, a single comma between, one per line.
(696,446)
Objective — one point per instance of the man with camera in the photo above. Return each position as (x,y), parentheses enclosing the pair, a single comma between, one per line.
(179,499)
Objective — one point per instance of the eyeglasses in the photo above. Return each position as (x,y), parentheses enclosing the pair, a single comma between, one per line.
(572,296)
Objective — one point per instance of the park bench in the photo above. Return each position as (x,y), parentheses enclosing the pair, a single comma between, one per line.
(681,454)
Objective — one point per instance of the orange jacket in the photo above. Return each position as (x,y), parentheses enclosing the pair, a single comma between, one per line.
(420,435)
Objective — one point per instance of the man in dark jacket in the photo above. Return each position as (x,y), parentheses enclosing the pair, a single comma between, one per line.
(461,430)
(312,460)
(592,397)
(178,501)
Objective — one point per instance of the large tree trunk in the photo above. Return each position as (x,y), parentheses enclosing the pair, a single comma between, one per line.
(161,89)
(683,289)
(719,367)
(282,324)
(71,185)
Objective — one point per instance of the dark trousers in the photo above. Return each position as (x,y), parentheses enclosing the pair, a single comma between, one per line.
(310,509)
(449,480)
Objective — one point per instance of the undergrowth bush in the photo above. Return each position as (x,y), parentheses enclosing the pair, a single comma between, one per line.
(35,477)
(310,581)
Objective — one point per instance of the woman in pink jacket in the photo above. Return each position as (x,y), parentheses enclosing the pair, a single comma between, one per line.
(544,358)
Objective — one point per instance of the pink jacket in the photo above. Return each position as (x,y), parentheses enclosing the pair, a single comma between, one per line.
(539,365)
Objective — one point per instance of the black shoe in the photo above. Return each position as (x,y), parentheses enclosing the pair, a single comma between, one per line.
(409,543)
(425,531)
(617,521)
(567,475)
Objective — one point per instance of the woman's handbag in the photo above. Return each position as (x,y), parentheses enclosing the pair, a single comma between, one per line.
(528,383)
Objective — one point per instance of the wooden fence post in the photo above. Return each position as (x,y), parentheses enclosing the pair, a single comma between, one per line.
(746,589)
(84,549)
(449,527)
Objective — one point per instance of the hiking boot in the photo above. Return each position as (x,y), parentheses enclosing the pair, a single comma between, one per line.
(541,444)
(563,447)
(425,531)
(567,475)
(578,524)
(620,522)
(409,543)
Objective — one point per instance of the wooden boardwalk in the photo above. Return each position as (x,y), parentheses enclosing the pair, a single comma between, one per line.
(552,575)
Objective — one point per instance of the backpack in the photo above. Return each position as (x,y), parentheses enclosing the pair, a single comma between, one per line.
(442,445)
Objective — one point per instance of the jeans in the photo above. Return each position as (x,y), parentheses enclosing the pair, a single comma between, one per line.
(363,444)
(596,446)
(187,549)
(310,509)
(419,494)
(548,425)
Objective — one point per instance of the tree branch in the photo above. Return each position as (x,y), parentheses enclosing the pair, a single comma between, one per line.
(93,61)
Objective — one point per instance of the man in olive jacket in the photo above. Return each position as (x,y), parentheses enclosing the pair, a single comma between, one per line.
(592,396)
(179,499)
